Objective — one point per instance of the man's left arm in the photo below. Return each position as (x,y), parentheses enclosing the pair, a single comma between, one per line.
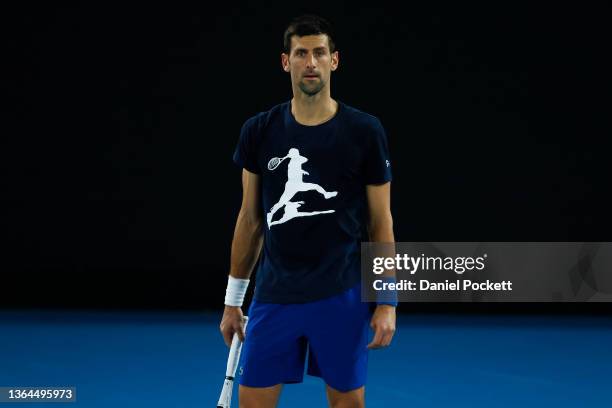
(380,228)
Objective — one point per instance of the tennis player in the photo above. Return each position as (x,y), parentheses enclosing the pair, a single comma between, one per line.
(316,182)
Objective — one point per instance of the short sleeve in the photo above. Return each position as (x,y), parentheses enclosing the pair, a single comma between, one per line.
(377,160)
(245,154)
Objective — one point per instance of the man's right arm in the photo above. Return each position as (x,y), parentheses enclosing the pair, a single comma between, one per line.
(246,246)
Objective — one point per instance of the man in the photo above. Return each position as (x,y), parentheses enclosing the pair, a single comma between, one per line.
(316,180)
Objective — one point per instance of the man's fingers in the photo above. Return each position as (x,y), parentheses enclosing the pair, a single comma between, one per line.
(227,337)
(375,343)
(389,332)
(240,331)
(386,340)
(382,337)
(232,323)
(228,334)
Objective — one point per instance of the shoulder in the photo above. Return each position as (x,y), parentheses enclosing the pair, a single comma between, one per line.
(361,120)
(260,121)
(364,128)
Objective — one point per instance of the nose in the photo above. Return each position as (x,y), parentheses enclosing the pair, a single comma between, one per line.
(310,61)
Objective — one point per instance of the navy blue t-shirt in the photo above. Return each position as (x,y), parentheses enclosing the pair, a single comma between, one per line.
(313,181)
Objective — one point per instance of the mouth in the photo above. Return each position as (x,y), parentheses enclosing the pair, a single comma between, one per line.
(311,76)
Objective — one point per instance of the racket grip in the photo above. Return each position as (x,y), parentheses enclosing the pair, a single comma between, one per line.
(234,354)
(225,400)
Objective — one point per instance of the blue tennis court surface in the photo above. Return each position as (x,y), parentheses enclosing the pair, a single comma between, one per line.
(177,359)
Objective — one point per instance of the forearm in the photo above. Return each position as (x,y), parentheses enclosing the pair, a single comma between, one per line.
(246,245)
(380,228)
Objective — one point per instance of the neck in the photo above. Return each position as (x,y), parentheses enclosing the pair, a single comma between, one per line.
(313,110)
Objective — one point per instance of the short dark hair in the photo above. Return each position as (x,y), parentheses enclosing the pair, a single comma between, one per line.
(309,24)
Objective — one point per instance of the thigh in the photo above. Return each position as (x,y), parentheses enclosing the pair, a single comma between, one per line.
(274,348)
(260,397)
(350,399)
(338,339)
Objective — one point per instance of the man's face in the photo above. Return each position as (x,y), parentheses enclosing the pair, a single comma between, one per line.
(310,62)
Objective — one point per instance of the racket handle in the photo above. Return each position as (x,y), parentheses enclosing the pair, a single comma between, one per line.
(225,400)
(234,354)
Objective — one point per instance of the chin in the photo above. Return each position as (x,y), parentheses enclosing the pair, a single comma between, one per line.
(311,91)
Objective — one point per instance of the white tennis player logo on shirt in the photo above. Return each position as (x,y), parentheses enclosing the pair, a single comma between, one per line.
(294,185)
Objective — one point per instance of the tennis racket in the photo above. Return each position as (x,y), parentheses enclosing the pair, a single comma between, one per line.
(274,162)
(225,400)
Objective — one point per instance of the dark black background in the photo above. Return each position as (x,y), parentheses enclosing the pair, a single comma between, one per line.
(117,184)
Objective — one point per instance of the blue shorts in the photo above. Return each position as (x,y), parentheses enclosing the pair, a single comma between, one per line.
(333,330)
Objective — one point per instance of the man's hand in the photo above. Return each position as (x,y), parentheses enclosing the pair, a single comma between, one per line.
(232,322)
(383,324)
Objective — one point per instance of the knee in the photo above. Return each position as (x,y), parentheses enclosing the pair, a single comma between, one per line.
(350,399)
(347,404)
(250,401)
(248,404)
(258,397)
(245,401)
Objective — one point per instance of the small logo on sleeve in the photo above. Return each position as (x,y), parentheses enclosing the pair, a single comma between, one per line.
(388,163)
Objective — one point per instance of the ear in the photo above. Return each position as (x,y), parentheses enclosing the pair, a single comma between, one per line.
(335,60)
(285,62)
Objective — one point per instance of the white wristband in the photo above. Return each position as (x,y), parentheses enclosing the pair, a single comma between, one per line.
(236,289)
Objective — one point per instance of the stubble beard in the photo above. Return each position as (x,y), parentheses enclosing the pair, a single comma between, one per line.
(313,89)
